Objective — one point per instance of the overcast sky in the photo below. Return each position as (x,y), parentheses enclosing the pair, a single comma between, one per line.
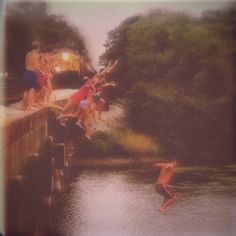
(95,18)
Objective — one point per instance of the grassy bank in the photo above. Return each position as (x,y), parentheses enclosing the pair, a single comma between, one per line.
(122,142)
(115,162)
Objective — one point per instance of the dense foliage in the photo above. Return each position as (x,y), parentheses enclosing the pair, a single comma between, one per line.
(176,73)
(27,21)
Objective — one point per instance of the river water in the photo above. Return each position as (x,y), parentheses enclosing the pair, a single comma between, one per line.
(120,202)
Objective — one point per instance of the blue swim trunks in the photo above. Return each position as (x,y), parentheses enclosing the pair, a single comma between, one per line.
(83,104)
(30,80)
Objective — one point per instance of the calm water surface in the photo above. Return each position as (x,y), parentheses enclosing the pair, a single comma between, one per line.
(124,202)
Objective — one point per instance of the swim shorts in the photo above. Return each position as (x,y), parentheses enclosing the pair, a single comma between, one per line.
(30,80)
(83,104)
(96,97)
(41,79)
(164,190)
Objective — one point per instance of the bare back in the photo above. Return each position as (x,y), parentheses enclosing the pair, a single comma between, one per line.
(32,60)
(166,174)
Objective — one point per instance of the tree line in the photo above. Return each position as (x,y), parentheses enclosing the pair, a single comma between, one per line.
(176,76)
(27,21)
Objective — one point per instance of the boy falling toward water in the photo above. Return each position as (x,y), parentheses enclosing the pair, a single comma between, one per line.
(162,187)
(83,111)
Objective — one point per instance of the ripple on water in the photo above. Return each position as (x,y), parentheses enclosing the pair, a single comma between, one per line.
(125,203)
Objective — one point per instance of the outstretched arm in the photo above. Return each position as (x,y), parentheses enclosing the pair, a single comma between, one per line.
(112,67)
(108,69)
(91,85)
(109,84)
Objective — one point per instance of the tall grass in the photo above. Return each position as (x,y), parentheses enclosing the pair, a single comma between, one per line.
(119,143)
(136,144)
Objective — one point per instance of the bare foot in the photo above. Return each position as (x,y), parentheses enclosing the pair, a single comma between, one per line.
(88,136)
(79,124)
(59,117)
(163,211)
(62,123)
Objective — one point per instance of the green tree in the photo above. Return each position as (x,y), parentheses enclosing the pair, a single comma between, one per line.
(177,76)
(27,21)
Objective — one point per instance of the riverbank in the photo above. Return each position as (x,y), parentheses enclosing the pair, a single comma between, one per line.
(124,202)
(112,124)
(112,138)
(114,162)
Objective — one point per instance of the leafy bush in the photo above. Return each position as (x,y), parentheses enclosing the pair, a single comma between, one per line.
(102,144)
(176,73)
(134,143)
(184,125)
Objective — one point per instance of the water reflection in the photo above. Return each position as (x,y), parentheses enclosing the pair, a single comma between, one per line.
(125,203)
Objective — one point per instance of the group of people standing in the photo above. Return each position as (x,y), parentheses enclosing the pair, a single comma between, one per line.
(37,77)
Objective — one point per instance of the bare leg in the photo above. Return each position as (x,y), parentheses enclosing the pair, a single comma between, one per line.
(93,109)
(162,210)
(40,97)
(78,121)
(49,90)
(165,204)
(24,101)
(69,105)
(168,203)
(100,108)
(30,98)
(37,95)
(85,123)
(43,95)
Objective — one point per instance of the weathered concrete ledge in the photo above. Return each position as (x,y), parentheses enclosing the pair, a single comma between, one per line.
(24,132)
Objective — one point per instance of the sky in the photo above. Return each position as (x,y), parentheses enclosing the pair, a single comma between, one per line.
(95,19)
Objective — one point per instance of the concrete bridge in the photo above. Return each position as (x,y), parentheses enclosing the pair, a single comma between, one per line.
(34,164)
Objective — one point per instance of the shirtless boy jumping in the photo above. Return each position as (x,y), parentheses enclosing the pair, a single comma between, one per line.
(162,184)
